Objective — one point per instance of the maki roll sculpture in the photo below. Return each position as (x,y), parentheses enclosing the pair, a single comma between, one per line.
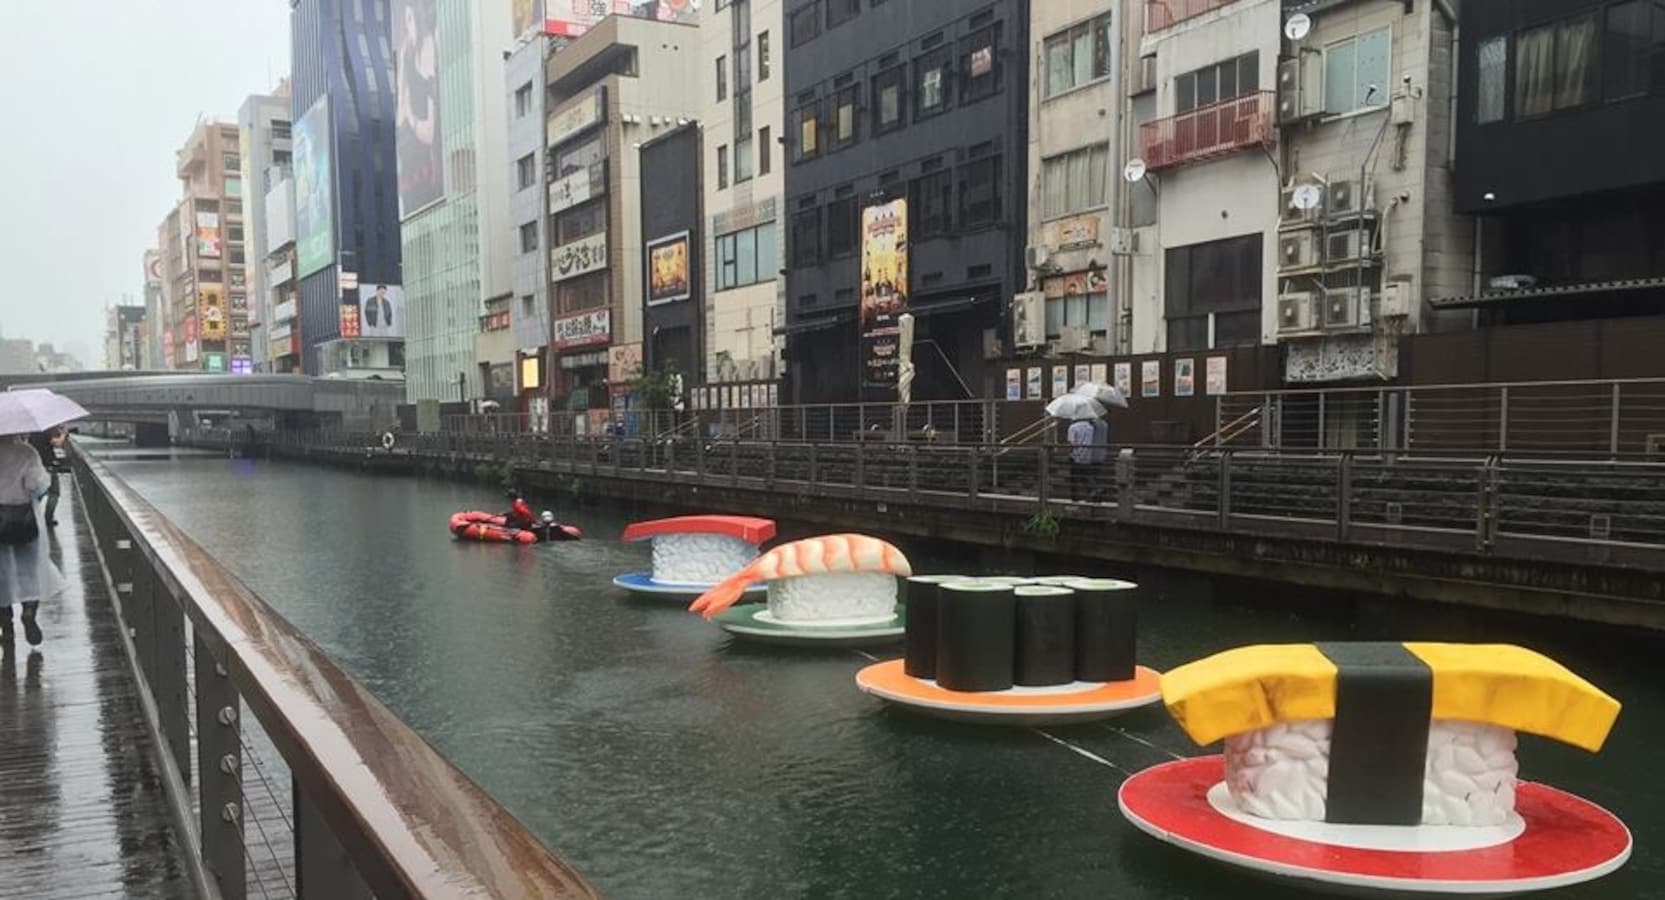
(837,590)
(691,554)
(1382,768)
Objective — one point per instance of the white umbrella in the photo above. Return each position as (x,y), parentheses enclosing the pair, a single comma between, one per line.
(35,410)
(904,358)
(1074,407)
(1107,395)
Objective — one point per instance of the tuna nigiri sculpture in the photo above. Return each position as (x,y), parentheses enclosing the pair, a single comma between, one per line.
(838,588)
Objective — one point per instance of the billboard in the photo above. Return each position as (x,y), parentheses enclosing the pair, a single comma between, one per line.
(585,255)
(208,234)
(571,18)
(211,314)
(373,311)
(314,188)
(668,277)
(416,116)
(884,288)
(527,14)
(584,329)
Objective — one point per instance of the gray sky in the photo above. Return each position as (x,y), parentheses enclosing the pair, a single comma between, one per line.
(96,96)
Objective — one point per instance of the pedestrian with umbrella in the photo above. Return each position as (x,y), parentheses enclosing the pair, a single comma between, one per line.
(27,574)
(1110,397)
(1081,412)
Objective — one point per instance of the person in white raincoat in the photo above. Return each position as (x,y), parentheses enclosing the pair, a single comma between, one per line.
(27,574)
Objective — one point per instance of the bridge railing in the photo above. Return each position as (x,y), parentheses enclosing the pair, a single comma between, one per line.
(376,811)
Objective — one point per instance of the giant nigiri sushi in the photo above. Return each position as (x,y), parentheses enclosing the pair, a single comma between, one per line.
(836,576)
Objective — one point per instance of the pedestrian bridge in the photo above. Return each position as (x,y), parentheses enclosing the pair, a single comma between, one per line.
(151,398)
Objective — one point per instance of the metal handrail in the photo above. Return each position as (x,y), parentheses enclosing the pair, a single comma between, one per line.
(1225,433)
(377,808)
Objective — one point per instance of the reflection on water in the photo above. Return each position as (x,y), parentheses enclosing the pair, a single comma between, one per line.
(664,762)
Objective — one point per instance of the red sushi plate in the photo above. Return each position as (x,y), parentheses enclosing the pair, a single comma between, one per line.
(1567,840)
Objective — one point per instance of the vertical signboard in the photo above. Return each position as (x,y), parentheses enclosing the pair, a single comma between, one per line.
(314,187)
(668,276)
(416,120)
(884,288)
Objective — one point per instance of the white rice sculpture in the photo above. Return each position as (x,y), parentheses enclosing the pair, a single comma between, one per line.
(827,580)
(1282,772)
(699,559)
(840,595)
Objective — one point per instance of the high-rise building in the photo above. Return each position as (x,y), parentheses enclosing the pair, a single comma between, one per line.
(626,81)
(263,146)
(154,311)
(528,221)
(453,188)
(204,253)
(124,337)
(348,297)
(743,113)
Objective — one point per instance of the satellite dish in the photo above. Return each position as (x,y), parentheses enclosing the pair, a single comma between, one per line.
(1297,26)
(1134,171)
(1305,197)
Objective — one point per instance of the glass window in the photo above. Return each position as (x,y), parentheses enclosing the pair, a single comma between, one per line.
(806,237)
(1535,71)
(1492,80)
(529,237)
(745,259)
(979,64)
(1217,83)
(930,198)
(523,100)
(742,67)
(1554,66)
(722,78)
(844,116)
(887,99)
(809,134)
(526,171)
(591,218)
(1218,278)
(980,192)
(1074,181)
(806,24)
(765,150)
(841,11)
(584,292)
(1575,56)
(1077,55)
(1625,50)
(581,156)
(932,90)
(743,159)
(768,260)
(841,227)
(722,167)
(763,56)
(1356,72)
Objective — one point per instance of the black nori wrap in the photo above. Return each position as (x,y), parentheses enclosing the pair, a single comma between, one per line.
(974,636)
(1384,697)
(1044,651)
(920,597)
(1106,629)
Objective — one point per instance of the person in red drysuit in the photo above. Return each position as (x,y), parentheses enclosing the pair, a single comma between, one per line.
(520,514)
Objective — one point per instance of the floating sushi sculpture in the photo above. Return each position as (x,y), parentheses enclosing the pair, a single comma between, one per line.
(1381,769)
(994,652)
(835,590)
(692,554)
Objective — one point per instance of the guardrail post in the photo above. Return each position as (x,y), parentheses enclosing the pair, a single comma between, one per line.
(1503,418)
(219,775)
(1391,421)
(1344,497)
(976,482)
(1485,524)
(860,478)
(1613,424)
(322,868)
(1318,439)
(1124,484)
(734,460)
(774,455)
(814,464)
(1043,492)
(699,456)
(1224,500)
(168,682)
(913,468)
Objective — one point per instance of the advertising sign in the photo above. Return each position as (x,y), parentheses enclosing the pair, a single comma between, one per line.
(208,234)
(1032,382)
(314,187)
(213,362)
(1150,378)
(212,311)
(583,113)
(884,288)
(381,310)
(350,326)
(242,365)
(585,329)
(527,14)
(580,257)
(1060,380)
(569,190)
(416,118)
(153,267)
(531,373)
(571,18)
(1124,379)
(668,277)
(1216,376)
(1014,384)
(1185,377)
(624,364)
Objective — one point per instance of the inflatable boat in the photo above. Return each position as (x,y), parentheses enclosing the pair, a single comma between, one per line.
(492,528)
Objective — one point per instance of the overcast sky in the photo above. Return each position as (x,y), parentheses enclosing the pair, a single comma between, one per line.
(95,98)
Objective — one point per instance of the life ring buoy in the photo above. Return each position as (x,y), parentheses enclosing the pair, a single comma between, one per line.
(387,440)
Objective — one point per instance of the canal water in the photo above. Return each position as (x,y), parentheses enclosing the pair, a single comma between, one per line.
(663,760)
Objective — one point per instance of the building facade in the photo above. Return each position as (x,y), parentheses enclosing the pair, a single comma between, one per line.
(348,294)
(674,331)
(154,310)
(625,81)
(124,337)
(528,220)
(205,254)
(453,188)
(905,149)
(743,116)
(263,146)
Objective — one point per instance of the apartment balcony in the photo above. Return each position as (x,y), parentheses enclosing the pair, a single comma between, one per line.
(1207,132)
(1160,14)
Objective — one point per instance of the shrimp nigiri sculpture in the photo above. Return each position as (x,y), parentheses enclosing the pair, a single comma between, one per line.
(834,580)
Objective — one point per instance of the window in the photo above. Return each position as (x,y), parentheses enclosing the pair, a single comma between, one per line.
(1217,83)
(1633,49)
(591,218)
(1356,72)
(765,150)
(529,237)
(1075,310)
(763,56)
(979,69)
(1078,56)
(808,118)
(523,100)
(743,159)
(1074,181)
(746,257)
(805,24)
(932,88)
(887,99)
(233,162)
(722,167)
(930,199)
(806,237)
(574,158)
(841,11)
(1492,80)
(234,234)
(842,230)
(1554,66)
(526,171)
(722,78)
(584,292)
(1218,279)
(980,192)
(844,117)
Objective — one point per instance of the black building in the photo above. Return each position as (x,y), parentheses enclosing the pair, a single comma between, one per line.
(1561,152)
(922,101)
(673,320)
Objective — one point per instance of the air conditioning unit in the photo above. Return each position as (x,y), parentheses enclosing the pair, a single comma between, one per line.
(1029,320)
(1295,312)
(1346,308)
(1038,257)
(1345,197)
(1073,339)
(1344,247)
(1147,75)
(1300,88)
(1303,199)
(1298,249)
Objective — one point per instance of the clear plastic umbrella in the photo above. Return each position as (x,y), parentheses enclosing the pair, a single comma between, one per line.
(1106,394)
(35,410)
(1075,407)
